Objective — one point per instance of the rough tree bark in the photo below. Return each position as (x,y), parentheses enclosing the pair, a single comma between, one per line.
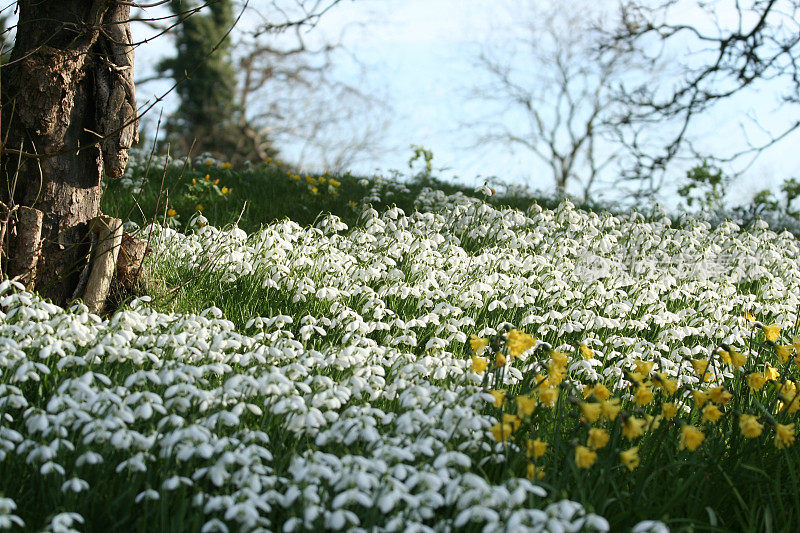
(68,96)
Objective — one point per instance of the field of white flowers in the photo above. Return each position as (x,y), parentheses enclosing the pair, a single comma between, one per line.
(354,404)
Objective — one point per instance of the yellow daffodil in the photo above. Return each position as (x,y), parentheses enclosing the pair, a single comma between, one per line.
(701,368)
(598,438)
(499,397)
(334,183)
(663,381)
(584,457)
(719,395)
(501,432)
(535,472)
(633,427)
(738,359)
(700,398)
(610,408)
(691,438)
(599,391)
(772,332)
(711,413)
(477,343)
(171,212)
(479,364)
(668,410)
(784,435)
(226,165)
(750,426)
(771,373)
(525,405)
(750,316)
(590,411)
(559,359)
(548,396)
(536,448)
(630,458)
(586,352)
(643,396)
(555,374)
(512,420)
(643,367)
(784,352)
(517,342)
(725,355)
(756,380)
(499,359)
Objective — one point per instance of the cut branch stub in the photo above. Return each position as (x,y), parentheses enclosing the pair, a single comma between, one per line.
(129,263)
(27,245)
(104,261)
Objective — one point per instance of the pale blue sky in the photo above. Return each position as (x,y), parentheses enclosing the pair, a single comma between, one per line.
(420,55)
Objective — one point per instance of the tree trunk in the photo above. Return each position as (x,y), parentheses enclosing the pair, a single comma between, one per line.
(68,97)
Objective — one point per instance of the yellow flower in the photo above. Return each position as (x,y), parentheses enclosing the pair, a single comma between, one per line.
(555,373)
(525,405)
(784,352)
(750,426)
(586,352)
(771,373)
(610,408)
(535,472)
(719,395)
(479,364)
(208,177)
(322,180)
(590,411)
(517,342)
(725,355)
(643,396)
(536,448)
(663,381)
(598,438)
(711,413)
(499,397)
(633,427)
(225,190)
(209,162)
(691,438)
(171,212)
(784,435)
(199,207)
(630,458)
(499,360)
(559,359)
(194,181)
(584,457)
(700,398)
(226,165)
(796,344)
(352,203)
(643,367)
(477,343)
(700,368)
(750,316)
(599,391)
(216,181)
(501,432)
(756,380)
(738,359)
(548,396)
(512,420)
(772,332)
(334,183)
(668,410)
(789,395)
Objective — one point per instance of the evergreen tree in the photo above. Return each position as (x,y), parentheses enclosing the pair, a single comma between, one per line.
(208,114)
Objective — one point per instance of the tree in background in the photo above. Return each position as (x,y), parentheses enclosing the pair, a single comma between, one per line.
(550,91)
(720,51)
(208,117)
